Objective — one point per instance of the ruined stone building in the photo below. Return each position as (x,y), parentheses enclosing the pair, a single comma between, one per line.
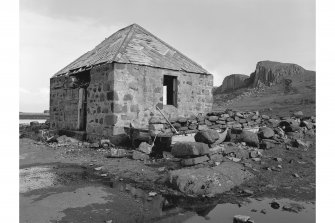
(122,80)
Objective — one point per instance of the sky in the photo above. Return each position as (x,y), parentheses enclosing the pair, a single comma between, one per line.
(223,36)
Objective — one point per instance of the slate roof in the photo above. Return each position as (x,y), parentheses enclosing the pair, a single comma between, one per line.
(133,44)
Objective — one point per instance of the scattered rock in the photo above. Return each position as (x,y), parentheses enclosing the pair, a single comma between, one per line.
(296,175)
(98,168)
(300,144)
(278,159)
(145,148)
(250,138)
(207,136)
(275,205)
(242,219)
(266,133)
(182,149)
(263,211)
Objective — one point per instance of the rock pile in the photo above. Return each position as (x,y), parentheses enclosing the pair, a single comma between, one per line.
(212,120)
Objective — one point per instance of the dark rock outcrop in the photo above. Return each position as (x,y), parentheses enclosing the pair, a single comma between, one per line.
(232,82)
(266,73)
(270,72)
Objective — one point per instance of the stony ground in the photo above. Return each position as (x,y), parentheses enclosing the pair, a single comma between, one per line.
(293,178)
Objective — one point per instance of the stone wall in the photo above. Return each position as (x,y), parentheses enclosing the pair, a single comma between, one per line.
(140,89)
(100,100)
(212,120)
(63,104)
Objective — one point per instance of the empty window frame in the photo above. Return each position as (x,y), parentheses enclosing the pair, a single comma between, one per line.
(170,90)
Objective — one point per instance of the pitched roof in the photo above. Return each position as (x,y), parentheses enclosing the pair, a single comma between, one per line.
(133,44)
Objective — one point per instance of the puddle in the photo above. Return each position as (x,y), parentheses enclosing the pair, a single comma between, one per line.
(69,193)
(260,211)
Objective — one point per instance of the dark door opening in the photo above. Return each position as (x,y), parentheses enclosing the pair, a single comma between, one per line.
(170,90)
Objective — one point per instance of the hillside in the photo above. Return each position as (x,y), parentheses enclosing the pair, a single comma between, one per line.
(274,88)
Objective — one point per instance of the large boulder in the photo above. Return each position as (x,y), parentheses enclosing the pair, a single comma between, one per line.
(209,181)
(183,149)
(207,136)
(145,148)
(266,133)
(249,138)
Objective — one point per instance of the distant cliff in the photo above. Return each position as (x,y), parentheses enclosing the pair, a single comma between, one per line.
(232,82)
(267,73)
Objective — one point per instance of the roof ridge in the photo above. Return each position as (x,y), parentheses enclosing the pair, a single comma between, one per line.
(123,42)
(187,58)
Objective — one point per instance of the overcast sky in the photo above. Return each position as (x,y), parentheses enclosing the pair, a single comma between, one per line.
(224,36)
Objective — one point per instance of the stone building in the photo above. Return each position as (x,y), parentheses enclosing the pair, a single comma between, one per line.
(122,80)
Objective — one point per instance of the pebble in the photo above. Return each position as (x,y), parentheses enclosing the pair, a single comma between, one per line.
(278,159)
(263,211)
(296,175)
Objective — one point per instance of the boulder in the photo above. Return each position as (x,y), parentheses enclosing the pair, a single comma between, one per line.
(207,136)
(266,133)
(242,219)
(137,155)
(222,138)
(145,148)
(209,181)
(194,161)
(249,138)
(182,149)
